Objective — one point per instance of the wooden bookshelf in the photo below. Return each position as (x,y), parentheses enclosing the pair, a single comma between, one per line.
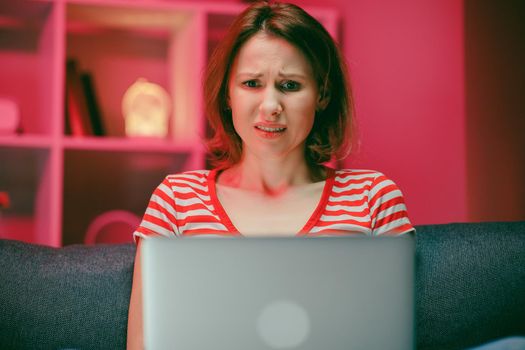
(58,183)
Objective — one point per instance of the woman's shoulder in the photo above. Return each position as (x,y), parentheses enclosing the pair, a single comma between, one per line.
(200,176)
(193,180)
(356,174)
(362,178)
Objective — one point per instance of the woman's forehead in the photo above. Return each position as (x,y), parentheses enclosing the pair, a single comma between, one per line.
(263,52)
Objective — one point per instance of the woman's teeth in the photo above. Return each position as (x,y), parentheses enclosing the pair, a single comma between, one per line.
(267,129)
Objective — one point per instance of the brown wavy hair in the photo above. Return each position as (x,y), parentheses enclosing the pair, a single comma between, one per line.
(332,131)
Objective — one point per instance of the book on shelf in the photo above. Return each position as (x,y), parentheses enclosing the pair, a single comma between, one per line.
(83,117)
(92,104)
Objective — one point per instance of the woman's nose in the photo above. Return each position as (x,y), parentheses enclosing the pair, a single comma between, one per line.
(270,107)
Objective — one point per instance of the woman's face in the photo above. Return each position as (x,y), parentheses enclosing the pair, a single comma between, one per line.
(273,97)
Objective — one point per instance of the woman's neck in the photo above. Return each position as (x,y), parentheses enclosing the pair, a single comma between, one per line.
(268,176)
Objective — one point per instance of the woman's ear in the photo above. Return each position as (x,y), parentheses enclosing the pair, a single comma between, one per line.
(323,100)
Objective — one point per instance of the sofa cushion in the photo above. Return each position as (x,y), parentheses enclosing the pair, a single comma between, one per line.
(470,283)
(75,297)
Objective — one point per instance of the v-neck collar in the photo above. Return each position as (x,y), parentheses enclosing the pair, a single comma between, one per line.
(310,223)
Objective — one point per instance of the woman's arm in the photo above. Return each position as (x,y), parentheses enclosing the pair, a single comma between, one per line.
(135,331)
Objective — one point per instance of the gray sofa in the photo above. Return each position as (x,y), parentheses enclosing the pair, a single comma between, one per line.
(470,290)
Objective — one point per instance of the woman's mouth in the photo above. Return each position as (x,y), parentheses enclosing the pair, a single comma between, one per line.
(269,131)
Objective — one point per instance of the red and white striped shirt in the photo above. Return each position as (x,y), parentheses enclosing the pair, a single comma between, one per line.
(353,202)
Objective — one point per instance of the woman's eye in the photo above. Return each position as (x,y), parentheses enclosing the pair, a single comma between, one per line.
(290,85)
(251,84)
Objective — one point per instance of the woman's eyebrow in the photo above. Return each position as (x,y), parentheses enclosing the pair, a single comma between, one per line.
(292,75)
(255,75)
(249,74)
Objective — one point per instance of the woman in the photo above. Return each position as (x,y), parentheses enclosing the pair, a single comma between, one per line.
(279,103)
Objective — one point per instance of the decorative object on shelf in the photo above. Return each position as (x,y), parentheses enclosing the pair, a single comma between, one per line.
(146,108)
(4,200)
(10,116)
(114,226)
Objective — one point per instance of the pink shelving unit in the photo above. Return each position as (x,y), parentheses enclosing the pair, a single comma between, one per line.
(59,183)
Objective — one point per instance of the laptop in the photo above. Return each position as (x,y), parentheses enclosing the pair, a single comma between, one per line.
(278,293)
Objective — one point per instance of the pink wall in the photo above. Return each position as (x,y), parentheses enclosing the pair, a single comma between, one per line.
(406,64)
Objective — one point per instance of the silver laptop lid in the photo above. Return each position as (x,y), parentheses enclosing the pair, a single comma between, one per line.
(278,293)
